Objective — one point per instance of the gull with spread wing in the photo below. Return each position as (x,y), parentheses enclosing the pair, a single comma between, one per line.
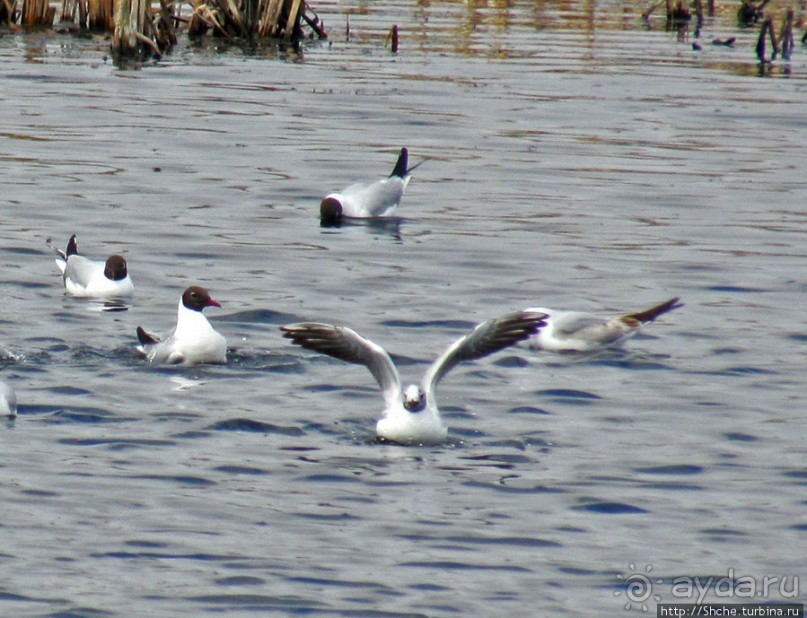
(411,415)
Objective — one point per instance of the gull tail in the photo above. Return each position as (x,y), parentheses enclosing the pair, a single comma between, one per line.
(72,246)
(72,249)
(146,338)
(648,315)
(402,169)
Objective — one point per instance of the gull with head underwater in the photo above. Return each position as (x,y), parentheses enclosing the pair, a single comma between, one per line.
(361,201)
(411,415)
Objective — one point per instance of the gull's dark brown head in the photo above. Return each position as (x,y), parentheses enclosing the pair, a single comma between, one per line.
(330,212)
(197,298)
(115,268)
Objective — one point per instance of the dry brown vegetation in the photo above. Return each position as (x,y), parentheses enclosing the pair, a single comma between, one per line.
(142,28)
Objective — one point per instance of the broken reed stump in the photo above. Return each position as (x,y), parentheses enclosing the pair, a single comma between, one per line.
(392,38)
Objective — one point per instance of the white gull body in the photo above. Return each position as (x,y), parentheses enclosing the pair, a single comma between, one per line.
(92,279)
(193,340)
(577,331)
(361,201)
(411,415)
(8,400)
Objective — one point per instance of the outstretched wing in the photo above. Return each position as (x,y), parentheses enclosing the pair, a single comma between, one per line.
(347,345)
(488,337)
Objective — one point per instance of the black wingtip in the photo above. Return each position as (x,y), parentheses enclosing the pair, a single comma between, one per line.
(296,333)
(303,333)
(288,331)
(72,246)
(145,338)
(401,166)
(502,332)
(528,322)
(648,315)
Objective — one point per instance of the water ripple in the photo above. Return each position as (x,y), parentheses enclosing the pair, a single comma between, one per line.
(249,425)
(610,508)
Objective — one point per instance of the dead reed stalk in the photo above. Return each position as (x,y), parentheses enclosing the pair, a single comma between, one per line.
(68,13)
(139,30)
(253,18)
(129,27)
(767,29)
(786,34)
(101,15)
(8,10)
(37,13)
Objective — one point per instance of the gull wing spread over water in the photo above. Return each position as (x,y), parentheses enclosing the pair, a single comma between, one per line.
(488,337)
(347,345)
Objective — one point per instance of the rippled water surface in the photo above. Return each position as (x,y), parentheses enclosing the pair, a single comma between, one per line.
(578,158)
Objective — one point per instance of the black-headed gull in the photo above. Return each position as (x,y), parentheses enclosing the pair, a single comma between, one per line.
(8,400)
(576,331)
(88,278)
(411,415)
(360,201)
(193,339)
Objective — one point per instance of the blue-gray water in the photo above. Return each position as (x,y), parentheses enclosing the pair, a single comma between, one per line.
(574,164)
